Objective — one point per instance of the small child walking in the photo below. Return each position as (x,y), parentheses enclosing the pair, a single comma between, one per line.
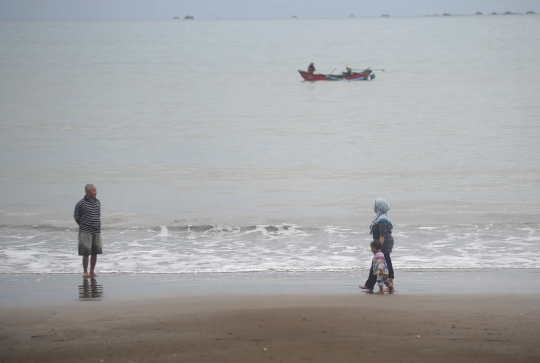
(380,268)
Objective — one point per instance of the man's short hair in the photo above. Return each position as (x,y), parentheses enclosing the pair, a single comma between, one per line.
(88,186)
(376,244)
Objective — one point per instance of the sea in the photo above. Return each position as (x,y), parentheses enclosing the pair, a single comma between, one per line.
(211,154)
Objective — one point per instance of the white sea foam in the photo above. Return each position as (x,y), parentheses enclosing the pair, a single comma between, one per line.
(164,232)
(197,249)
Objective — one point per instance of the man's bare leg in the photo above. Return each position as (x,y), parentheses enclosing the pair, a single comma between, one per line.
(93,261)
(85,266)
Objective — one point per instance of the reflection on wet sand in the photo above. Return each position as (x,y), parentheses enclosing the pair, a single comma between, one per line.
(90,290)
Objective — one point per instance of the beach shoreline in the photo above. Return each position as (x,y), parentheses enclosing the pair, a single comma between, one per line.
(435,315)
(53,289)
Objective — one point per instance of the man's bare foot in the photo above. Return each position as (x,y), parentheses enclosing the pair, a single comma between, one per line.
(86,275)
(365,288)
(390,289)
(93,274)
(380,293)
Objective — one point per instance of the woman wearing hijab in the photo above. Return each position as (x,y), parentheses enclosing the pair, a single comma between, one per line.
(381,229)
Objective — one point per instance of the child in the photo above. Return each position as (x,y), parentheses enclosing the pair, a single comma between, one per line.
(380,268)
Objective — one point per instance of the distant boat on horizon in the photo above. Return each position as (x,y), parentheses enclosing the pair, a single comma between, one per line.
(176,17)
(494,13)
(385,15)
(188,17)
(530,12)
(447,14)
(508,13)
(479,13)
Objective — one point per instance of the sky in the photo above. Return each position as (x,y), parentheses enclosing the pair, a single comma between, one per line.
(250,9)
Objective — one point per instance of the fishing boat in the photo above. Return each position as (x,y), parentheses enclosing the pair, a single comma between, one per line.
(356,76)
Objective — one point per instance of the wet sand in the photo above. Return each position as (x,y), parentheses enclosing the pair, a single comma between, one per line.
(32,289)
(278,327)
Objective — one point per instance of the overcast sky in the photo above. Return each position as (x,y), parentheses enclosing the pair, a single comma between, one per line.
(249,9)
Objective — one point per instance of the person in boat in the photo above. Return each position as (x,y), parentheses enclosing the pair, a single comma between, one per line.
(311,68)
(348,72)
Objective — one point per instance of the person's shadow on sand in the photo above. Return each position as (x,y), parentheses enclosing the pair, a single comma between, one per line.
(90,290)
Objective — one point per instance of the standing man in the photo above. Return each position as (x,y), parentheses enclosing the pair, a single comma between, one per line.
(88,217)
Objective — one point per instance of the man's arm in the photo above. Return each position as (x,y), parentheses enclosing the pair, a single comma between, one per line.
(77,214)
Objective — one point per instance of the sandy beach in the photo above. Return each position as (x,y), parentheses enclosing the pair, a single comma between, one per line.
(276,325)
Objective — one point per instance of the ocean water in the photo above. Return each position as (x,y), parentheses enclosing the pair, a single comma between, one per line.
(211,154)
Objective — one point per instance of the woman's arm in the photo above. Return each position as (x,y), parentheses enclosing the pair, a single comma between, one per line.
(383,229)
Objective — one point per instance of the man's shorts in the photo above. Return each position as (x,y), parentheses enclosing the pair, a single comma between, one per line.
(89,243)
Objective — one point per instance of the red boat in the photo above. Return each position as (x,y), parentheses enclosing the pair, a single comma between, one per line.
(358,76)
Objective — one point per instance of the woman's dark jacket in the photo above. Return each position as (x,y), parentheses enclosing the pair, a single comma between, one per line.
(382,229)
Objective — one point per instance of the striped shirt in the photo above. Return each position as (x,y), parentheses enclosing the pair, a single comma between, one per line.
(88,215)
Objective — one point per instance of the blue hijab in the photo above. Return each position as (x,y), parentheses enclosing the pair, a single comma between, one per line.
(382,214)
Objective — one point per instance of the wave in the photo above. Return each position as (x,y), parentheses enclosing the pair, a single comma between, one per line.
(261,248)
